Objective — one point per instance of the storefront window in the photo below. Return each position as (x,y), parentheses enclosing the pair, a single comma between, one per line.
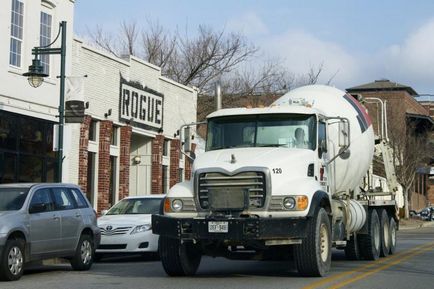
(164,179)
(112,188)
(91,161)
(114,141)
(8,133)
(92,130)
(30,169)
(7,168)
(26,149)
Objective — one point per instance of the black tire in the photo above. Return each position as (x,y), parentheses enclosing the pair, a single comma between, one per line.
(12,260)
(313,255)
(385,233)
(352,250)
(179,259)
(392,234)
(370,243)
(84,254)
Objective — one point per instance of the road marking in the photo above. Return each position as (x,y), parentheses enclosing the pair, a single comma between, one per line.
(333,278)
(381,268)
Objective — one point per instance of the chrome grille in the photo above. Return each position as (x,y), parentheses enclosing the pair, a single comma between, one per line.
(115,231)
(252,184)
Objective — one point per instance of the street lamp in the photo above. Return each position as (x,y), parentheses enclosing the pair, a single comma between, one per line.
(35,76)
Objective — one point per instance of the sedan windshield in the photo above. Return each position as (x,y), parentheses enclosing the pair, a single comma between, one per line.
(12,199)
(136,206)
(265,130)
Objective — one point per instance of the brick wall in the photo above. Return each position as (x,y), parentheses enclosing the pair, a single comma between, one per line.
(430,192)
(188,164)
(124,161)
(82,157)
(174,162)
(157,169)
(105,131)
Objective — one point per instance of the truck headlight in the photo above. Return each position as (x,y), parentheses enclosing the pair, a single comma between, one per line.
(177,205)
(288,203)
(141,228)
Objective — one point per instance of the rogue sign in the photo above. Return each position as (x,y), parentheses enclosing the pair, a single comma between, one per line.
(143,107)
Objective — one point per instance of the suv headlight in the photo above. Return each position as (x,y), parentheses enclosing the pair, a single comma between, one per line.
(141,228)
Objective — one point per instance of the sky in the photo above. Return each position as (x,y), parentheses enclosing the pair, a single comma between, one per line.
(357,41)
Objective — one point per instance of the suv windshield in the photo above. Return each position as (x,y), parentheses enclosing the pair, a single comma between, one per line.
(12,199)
(136,206)
(265,130)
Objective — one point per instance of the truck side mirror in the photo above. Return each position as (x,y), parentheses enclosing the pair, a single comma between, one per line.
(187,140)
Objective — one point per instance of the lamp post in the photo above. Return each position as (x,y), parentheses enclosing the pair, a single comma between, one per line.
(35,76)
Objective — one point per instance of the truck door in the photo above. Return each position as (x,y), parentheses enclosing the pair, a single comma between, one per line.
(324,171)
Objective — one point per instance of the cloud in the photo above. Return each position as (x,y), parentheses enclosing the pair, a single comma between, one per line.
(250,24)
(301,51)
(413,60)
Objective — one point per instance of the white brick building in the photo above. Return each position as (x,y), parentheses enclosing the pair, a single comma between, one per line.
(128,143)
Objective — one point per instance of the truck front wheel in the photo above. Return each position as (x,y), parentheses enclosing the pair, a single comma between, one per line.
(313,255)
(179,259)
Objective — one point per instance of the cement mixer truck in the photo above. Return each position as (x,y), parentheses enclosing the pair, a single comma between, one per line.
(289,181)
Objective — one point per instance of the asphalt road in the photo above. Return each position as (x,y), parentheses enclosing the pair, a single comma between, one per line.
(412,267)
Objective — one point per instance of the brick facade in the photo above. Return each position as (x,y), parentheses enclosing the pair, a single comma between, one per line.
(157,169)
(174,162)
(124,161)
(105,133)
(82,158)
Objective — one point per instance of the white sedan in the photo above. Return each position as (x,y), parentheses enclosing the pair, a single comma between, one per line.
(126,227)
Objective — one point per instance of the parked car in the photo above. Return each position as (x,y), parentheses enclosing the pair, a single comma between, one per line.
(126,227)
(42,221)
(427,214)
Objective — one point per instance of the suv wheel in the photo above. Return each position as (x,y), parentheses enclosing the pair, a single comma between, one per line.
(83,258)
(12,262)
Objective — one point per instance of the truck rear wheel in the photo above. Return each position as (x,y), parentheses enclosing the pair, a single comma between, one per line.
(385,233)
(313,255)
(370,243)
(392,234)
(352,250)
(179,259)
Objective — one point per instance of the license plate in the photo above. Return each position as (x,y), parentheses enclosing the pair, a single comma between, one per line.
(218,227)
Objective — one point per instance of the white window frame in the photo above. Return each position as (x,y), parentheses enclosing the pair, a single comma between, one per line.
(46,59)
(12,37)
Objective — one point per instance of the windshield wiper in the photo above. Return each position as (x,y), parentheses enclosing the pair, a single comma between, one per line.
(272,145)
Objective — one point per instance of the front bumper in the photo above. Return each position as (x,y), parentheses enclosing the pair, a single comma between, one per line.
(239,229)
(127,243)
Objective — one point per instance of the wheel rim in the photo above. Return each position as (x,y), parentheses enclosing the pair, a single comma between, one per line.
(15,261)
(86,252)
(324,242)
(376,231)
(386,237)
(393,235)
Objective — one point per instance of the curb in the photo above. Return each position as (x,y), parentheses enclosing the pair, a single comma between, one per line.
(412,227)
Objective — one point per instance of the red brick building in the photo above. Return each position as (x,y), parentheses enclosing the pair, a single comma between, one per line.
(402,108)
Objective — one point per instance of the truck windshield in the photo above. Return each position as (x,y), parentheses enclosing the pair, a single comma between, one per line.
(265,130)
(12,199)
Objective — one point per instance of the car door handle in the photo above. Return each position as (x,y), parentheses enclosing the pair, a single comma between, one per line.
(77,215)
(56,218)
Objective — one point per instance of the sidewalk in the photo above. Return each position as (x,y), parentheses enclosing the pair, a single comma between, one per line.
(413,223)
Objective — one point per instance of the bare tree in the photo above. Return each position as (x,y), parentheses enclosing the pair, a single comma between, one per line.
(411,150)
(189,60)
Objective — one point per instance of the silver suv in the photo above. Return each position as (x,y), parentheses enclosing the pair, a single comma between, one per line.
(42,221)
